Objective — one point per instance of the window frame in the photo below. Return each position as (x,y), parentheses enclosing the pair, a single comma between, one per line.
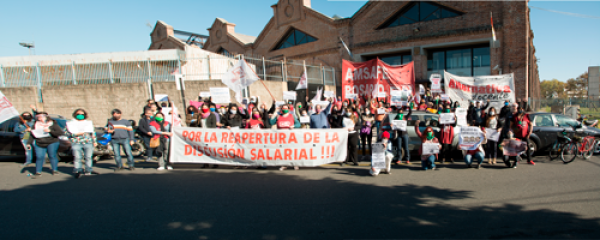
(297,42)
(399,14)
(535,123)
(471,48)
(396,54)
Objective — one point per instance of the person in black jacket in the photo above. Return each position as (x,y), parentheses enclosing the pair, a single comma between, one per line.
(232,118)
(45,134)
(402,136)
(352,123)
(476,113)
(144,131)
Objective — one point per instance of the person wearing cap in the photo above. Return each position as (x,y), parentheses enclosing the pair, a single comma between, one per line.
(389,154)
(122,136)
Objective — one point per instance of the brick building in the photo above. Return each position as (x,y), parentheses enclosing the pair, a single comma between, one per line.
(437,36)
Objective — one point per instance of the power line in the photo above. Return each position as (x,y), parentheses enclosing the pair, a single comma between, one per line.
(567,13)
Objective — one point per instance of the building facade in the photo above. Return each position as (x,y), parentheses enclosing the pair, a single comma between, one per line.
(437,36)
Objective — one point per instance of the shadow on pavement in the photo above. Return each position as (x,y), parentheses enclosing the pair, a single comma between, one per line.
(225,204)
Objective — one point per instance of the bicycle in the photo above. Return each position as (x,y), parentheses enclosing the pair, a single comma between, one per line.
(586,147)
(564,147)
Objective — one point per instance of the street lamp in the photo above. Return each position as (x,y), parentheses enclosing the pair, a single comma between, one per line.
(28,46)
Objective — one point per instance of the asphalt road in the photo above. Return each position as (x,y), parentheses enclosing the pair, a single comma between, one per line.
(548,200)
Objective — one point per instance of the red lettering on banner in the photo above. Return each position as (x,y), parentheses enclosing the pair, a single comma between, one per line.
(268,156)
(198,136)
(251,138)
(184,134)
(316,137)
(258,138)
(206,137)
(302,155)
(312,157)
(188,150)
(237,138)
(220,152)
(199,151)
(323,150)
(253,158)
(287,154)
(266,138)
(231,153)
(307,137)
(231,138)
(295,153)
(206,152)
(333,151)
(239,153)
(213,137)
(244,137)
(292,138)
(282,138)
(506,89)
(277,155)
(224,137)
(273,140)
(260,155)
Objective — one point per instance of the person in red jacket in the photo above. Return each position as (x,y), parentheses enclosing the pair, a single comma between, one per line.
(428,136)
(161,130)
(256,121)
(447,135)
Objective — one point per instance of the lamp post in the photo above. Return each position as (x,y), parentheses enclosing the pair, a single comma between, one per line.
(28,46)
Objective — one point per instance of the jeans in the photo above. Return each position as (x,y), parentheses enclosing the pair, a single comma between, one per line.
(116,144)
(163,160)
(402,141)
(446,154)
(365,140)
(492,149)
(149,151)
(378,126)
(478,156)
(528,149)
(82,151)
(40,156)
(428,163)
(28,153)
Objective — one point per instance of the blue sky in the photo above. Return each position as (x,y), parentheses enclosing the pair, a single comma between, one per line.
(566,45)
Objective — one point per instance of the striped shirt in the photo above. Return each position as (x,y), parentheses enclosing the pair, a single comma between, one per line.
(122,129)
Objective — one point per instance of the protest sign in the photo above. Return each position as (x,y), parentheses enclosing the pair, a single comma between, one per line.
(7,110)
(167,112)
(375,76)
(351,96)
(278,104)
(381,111)
(496,88)
(323,104)
(396,98)
(328,94)
(461,116)
(220,95)
(513,147)
(40,133)
(84,126)
(161,97)
(436,80)
(348,123)
(421,89)
(470,138)
(444,97)
(492,134)
(269,147)
(378,156)
(446,118)
(399,125)
(305,119)
(289,95)
(430,148)
(204,94)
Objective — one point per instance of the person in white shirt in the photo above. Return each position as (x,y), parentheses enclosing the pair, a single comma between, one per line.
(389,155)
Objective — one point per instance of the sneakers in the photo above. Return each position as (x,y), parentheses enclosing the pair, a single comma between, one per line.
(36,175)
(407,161)
(77,175)
(88,174)
(131,168)
(530,162)
(296,168)
(282,168)
(118,169)
(160,168)
(26,164)
(169,168)
(479,166)
(55,173)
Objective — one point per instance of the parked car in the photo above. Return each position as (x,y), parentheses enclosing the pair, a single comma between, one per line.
(547,126)
(10,143)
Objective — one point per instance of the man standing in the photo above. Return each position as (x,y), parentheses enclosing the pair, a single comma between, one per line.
(319,118)
(144,131)
(122,135)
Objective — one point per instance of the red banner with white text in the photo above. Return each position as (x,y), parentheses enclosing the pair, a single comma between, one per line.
(376,78)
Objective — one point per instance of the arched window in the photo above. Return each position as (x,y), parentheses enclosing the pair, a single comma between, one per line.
(294,37)
(419,12)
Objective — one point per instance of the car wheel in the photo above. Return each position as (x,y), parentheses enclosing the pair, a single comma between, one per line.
(138,149)
(532,149)
(597,148)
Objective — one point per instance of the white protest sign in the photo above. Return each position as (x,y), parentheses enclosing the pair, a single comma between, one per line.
(161,97)
(430,148)
(513,147)
(166,111)
(470,138)
(289,95)
(378,156)
(446,118)
(348,123)
(444,97)
(421,89)
(328,94)
(278,104)
(220,95)
(399,125)
(40,133)
(381,94)
(84,126)
(268,147)
(436,80)
(204,94)
(381,111)
(351,95)
(461,116)
(496,88)
(323,104)
(396,98)
(7,111)
(492,134)
(305,119)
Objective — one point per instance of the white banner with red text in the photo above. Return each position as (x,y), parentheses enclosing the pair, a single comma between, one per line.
(303,148)
(497,89)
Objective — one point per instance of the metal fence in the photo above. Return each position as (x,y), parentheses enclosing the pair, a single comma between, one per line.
(208,67)
(586,106)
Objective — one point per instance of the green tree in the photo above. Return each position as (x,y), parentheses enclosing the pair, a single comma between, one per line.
(549,87)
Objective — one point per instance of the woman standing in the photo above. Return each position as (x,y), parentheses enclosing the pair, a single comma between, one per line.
(82,142)
(162,131)
(232,119)
(447,135)
(402,136)
(285,121)
(492,124)
(201,117)
(352,124)
(366,131)
(256,122)
(23,127)
(191,116)
(45,134)
(427,160)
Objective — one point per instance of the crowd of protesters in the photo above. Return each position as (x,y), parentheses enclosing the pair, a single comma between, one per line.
(367,121)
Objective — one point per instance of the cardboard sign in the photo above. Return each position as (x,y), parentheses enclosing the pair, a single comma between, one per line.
(399,125)
(328,94)
(436,80)
(470,138)
(381,111)
(204,94)
(492,134)
(220,95)
(378,156)
(305,119)
(80,126)
(161,97)
(430,148)
(289,95)
(446,118)
(513,147)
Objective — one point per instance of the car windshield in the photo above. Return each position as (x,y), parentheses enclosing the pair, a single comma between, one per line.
(564,121)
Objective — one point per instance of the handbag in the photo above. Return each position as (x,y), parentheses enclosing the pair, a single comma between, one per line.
(366,129)
(154,142)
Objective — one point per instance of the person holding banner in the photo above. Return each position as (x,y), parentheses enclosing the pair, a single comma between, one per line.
(492,124)
(256,121)
(402,136)
(144,131)
(510,139)
(352,123)
(45,141)
(285,121)
(23,127)
(478,154)
(428,136)
(191,116)
(203,115)
(232,118)
(161,130)
(83,142)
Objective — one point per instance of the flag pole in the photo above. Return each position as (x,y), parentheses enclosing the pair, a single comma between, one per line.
(305,72)
(259,79)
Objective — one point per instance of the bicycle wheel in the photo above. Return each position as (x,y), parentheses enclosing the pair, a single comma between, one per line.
(555,151)
(569,153)
(588,149)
